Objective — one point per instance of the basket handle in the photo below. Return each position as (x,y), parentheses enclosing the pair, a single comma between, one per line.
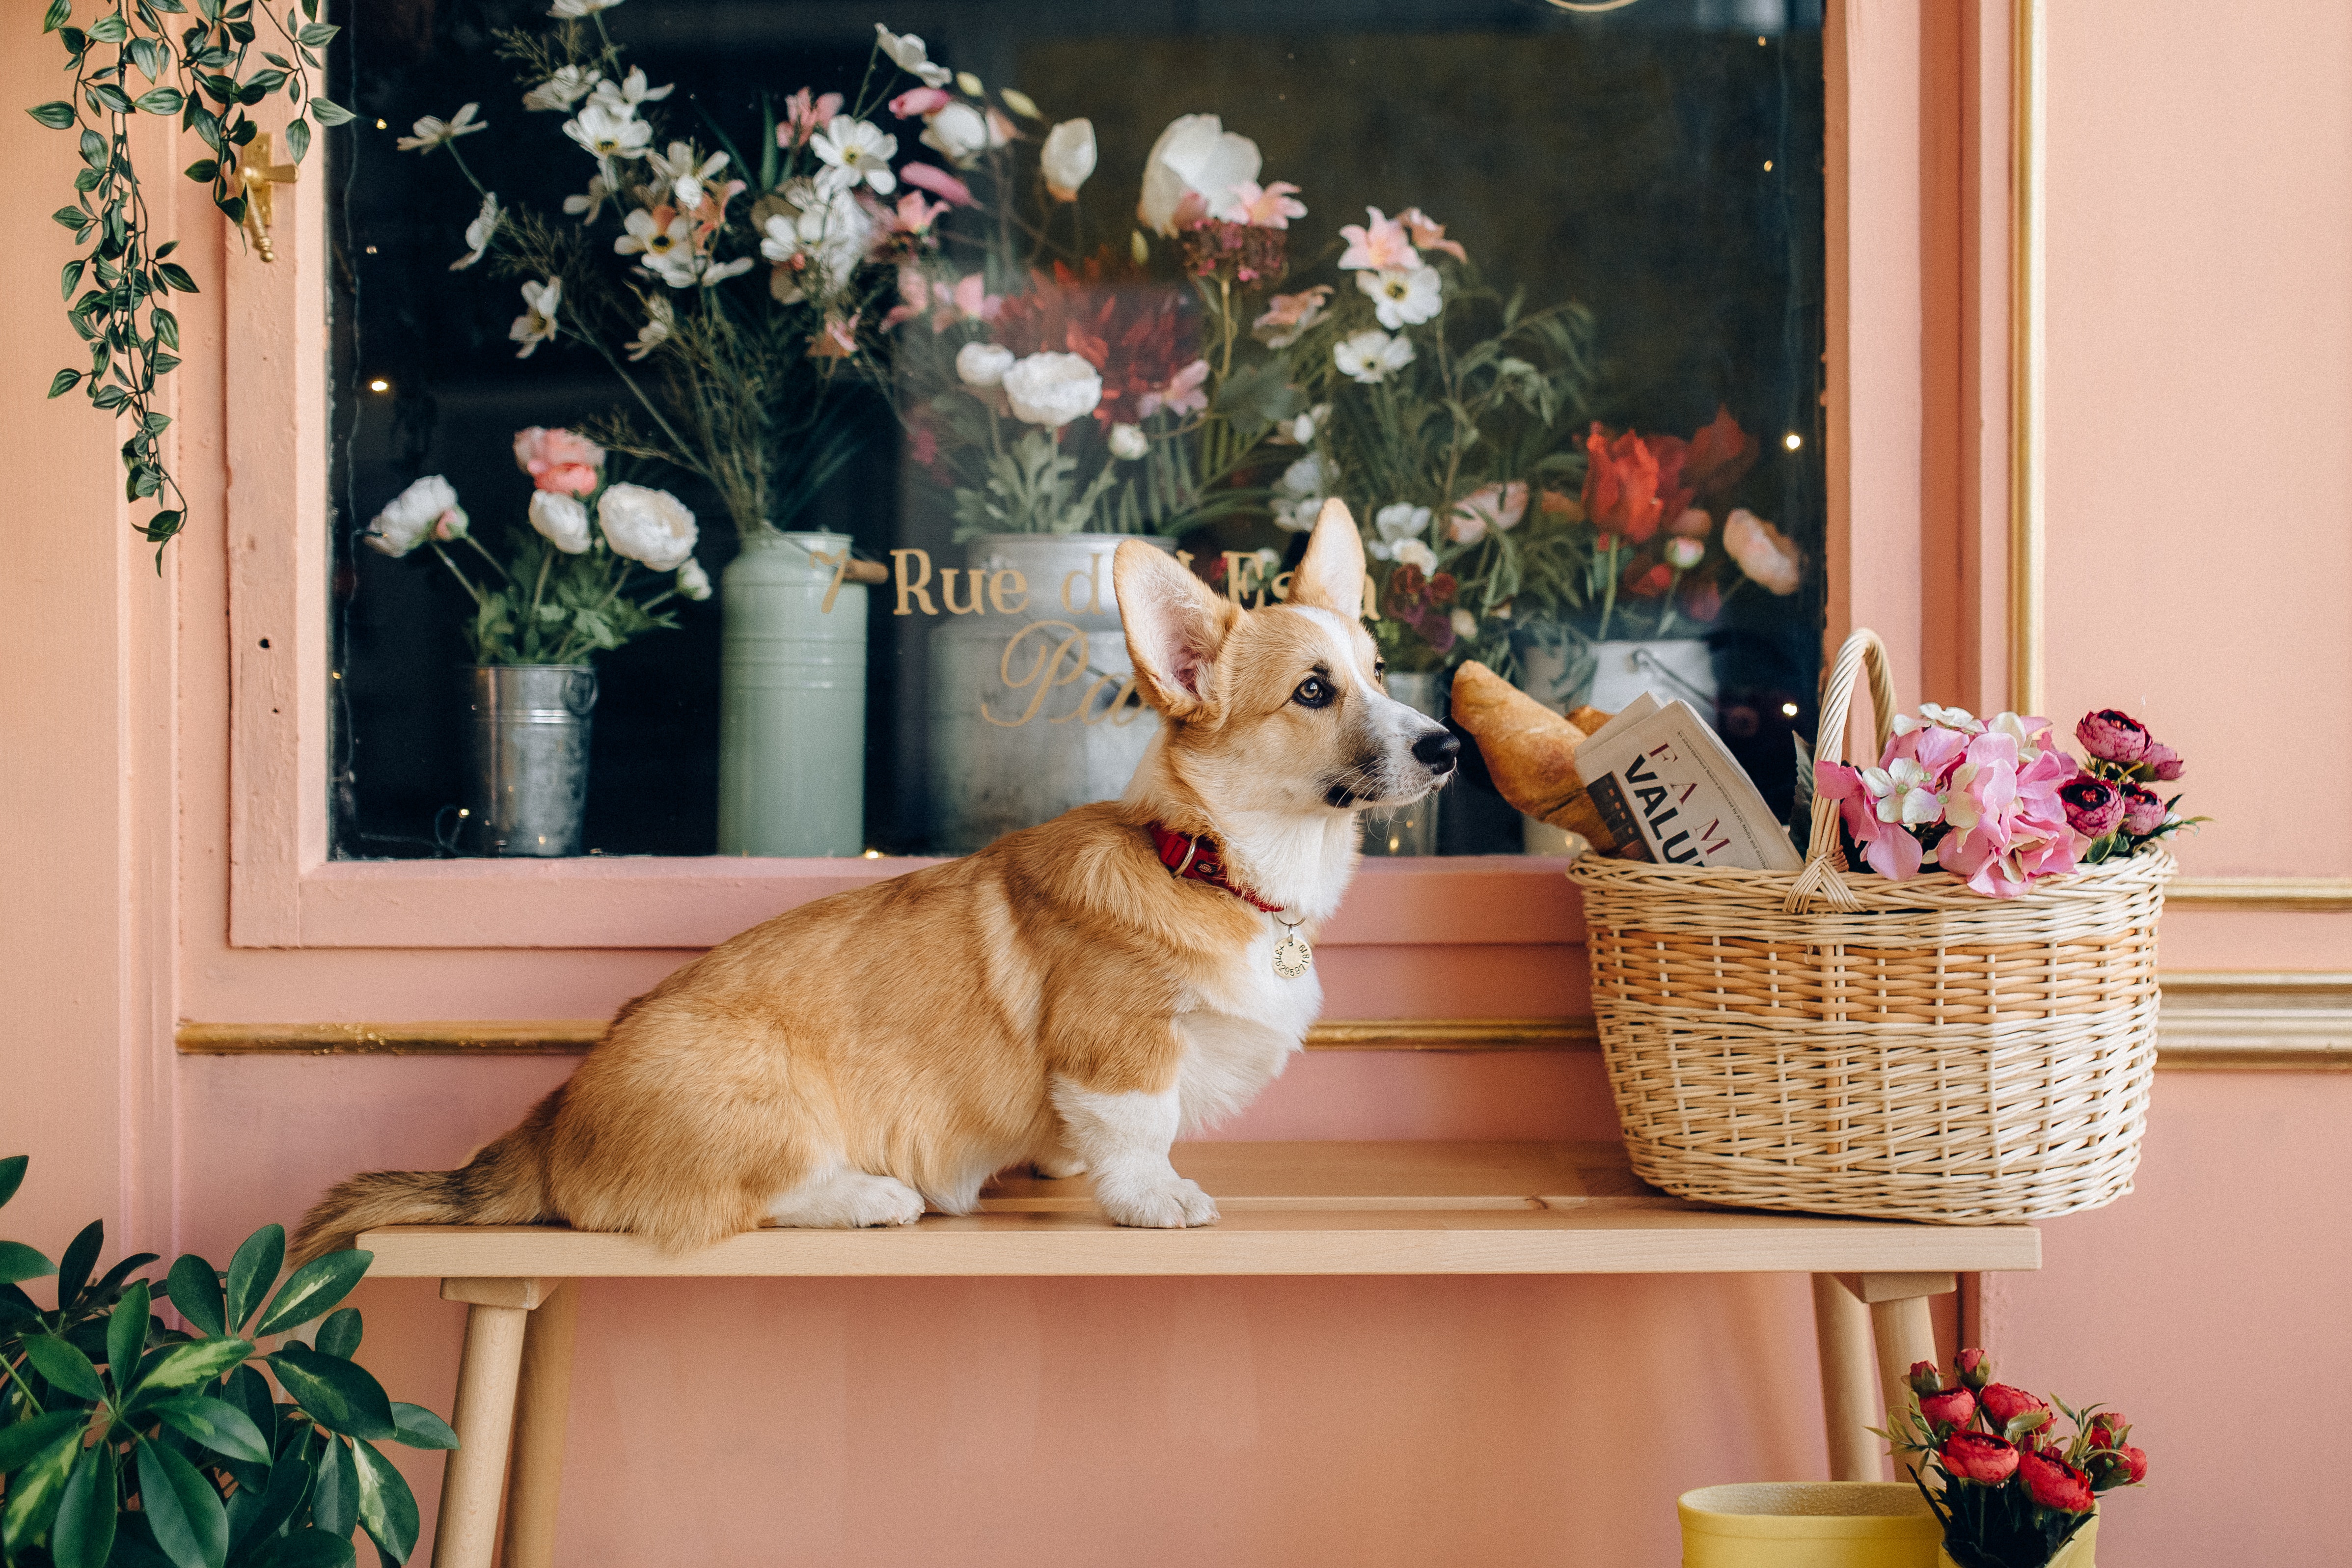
(1824,858)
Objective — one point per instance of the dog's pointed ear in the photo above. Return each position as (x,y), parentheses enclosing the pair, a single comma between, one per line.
(1174,626)
(1331,577)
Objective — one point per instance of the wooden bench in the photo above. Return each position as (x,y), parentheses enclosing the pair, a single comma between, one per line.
(1288,1209)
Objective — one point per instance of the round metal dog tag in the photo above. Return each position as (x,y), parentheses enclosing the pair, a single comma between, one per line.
(1291,956)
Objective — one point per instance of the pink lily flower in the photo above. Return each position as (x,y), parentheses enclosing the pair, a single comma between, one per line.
(1430,235)
(1183,394)
(1380,247)
(1268,206)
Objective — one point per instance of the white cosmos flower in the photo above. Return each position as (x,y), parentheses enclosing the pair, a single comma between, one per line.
(1051,390)
(1402,299)
(1414,552)
(574,10)
(646,233)
(660,321)
(1397,525)
(562,519)
(585,208)
(432,132)
(684,172)
(479,232)
(536,325)
(412,514)
(567,87)
(650,526)
(693,581)
(1298,495)
(958,132)
(855,151)
(827,231)
(983,365)
(908,53)
(1195,156)
(1371,355)
(609,133)
(622,97)
(1067,158)
(1128,441)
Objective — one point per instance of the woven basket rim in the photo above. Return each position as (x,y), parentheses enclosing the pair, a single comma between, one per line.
(1937,891)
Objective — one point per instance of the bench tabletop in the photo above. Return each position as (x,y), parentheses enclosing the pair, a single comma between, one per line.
(1288,1209)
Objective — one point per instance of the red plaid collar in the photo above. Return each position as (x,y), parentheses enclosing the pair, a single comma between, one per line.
(1197,857)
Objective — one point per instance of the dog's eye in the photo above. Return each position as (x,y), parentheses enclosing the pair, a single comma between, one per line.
(1314,692)
(1380,670)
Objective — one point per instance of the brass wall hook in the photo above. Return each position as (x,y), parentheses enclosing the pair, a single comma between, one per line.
(259,172)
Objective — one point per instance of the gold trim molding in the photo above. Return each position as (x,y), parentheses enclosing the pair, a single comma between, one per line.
(2268,895)
(573,1037)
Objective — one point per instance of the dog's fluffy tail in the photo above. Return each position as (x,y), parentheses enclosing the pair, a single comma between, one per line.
(506,1184)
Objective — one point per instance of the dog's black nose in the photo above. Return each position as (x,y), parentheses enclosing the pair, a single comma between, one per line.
(1438,748)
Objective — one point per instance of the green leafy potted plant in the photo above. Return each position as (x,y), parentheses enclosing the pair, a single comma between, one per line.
(126,1441)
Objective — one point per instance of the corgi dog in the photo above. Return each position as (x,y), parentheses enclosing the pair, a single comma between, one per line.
(1075,996)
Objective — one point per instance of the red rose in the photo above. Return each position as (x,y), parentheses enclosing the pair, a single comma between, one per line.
(1973,1457)
(2054,1483)
(1620,486)
(1975,1368)
(1948,1407)
(2003,1404)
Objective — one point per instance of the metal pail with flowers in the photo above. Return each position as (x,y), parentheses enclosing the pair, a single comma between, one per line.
(1032,695)
(531,756)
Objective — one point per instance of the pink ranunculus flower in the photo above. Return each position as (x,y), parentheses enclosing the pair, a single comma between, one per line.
(1497,507)
(2094,806)
(2112,736)
(1380,246)
(2162,761)
(2144,810)
(560,460)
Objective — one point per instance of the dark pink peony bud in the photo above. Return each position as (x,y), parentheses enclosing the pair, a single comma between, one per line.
(2107,1429)
(2144,812)
(2137,1459)
(1975,1368)
(2161,760)
(2094,806)
(1948,1406)
(2054,1483)
(1973,1457)
(2112,735)
(1924,1378)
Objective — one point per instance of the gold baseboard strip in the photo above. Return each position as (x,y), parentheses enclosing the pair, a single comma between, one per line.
(573,1037)
(2212,1020)
(2265,895)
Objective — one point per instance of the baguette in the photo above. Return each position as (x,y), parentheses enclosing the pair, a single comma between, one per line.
(1530,751)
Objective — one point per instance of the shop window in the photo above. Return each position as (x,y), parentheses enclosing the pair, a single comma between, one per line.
(1626,485)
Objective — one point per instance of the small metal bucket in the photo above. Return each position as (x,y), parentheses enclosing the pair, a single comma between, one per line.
(531,757)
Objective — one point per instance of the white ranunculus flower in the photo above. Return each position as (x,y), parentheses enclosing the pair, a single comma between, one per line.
(907,52)
(1067,158)
(536,325)
(693,581)
(1414,552)
(1403,299)
(958,132)
(609,133)
(1196,155)
(1371,354)
(983,365)
(561,518)
(854,152)
(650,526)
(567,87)
(479,232)
(412,514)
(1128,441)
(1052,390)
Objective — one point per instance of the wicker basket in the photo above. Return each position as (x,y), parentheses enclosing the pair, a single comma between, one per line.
(1838,1043)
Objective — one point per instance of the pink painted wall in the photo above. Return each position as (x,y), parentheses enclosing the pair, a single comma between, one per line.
(2201,220)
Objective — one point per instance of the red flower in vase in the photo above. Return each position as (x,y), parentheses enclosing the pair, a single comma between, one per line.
(1620,486)
(1974,1457)
(2054,1483)
(1948,1406)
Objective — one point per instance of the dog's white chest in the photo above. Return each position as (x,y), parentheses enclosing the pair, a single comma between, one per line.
(1242,1031)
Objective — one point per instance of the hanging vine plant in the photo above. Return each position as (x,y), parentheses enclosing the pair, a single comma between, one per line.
(163,62)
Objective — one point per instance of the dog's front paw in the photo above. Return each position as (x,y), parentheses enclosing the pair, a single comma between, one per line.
(1167,1204)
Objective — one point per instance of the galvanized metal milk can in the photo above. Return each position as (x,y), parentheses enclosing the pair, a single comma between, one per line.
(531,756)
(1032,704)
(1411,829)
(792,725)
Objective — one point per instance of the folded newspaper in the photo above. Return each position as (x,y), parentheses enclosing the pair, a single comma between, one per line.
(1669,791)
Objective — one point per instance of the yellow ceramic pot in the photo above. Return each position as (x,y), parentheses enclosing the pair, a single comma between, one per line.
(2075,1553)
(1809,1524)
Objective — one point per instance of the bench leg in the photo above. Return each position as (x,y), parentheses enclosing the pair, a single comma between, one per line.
(541,1409)
(1848,1382)
(470,1484)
